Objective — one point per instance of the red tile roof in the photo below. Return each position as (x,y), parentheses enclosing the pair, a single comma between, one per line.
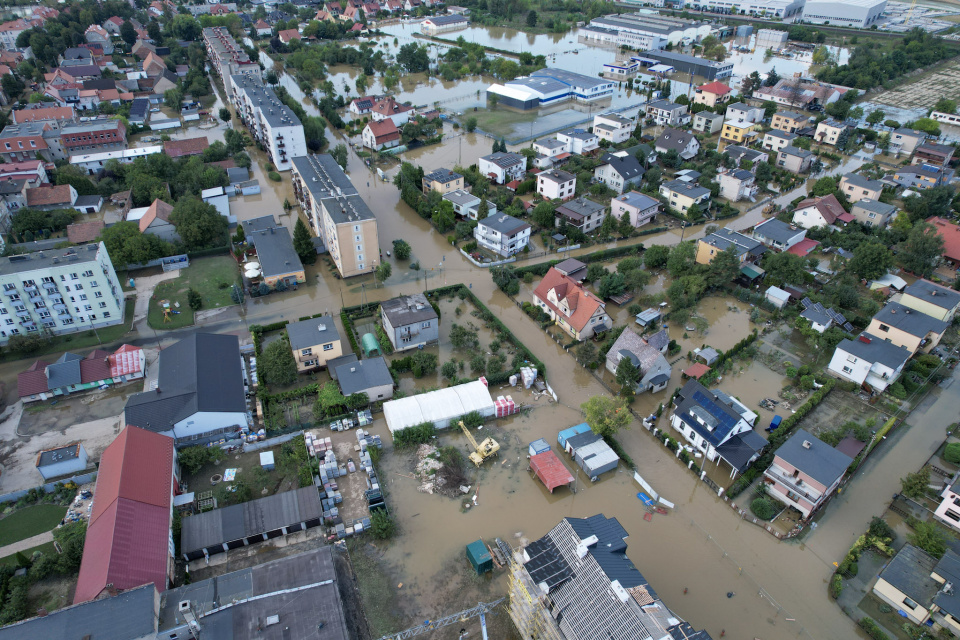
(81,232)
(581,303)
(696,371)
(717,88)
(33,380)
(384,131)
(829,207)
(158,209)
(188,147)
(42,113)
(951,237)
(127,537)
(49,194)
(95,367)
(803,247)
(126,360)
(288,35)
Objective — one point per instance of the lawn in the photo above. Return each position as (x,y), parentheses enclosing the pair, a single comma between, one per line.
(46,547)
(211,276)
(500,122)
(28,522)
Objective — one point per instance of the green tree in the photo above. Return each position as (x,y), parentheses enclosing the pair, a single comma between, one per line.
(682,259)
(193,459)
(875,117)
(330,400)
(401,249)
(383,271)
(914,485)
(225,115)
(585,352)
(605,415)
(945,105)
(12,85)
(785,267)
(543,215)
(929,537)
(277,363)
(927,125)
(194,299)
(382,525)
(531,19)
(628,375)
(128,33)
(871,260)
(198,223)
(471,124)
(724,268)
(655,257)
(303,243)
(612,284)
(423,363)
(126,245)
(921,250)
(339,154)
(413,57)
(449,370)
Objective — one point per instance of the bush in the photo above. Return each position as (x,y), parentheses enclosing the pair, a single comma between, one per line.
(194,299)
(382,525)
(897,391)
(414,436)
(952,453)
(836,586)
(872,629)
(763,508)
(192,459)
(273,175)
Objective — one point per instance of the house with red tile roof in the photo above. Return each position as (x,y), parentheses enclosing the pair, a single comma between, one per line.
(112,25)
(390,108)
(84,232)
(575,310)
(820,212)
(95,34)
(153,65)
(712,94)
(11,58)
(73,373)
(188,147)
(261,28)
(951,239)
(156,221)
(128,535)
(48,197)
(40,114)
(380,135)
(289,35)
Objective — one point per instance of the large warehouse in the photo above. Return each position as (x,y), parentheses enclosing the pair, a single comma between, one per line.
(551,86)
(767,8)
(850,13)
(630,28)
(441,407)
(685,64)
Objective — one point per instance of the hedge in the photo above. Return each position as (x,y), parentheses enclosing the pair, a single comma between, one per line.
(873,629)
(257,331)
(597,256)
(725,356)
(213,251)
(614,444)
(348,327)
(778,437)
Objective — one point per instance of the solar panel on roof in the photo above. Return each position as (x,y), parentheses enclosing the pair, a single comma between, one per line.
(724,419)
(546,564)
(848,327)
(806,302)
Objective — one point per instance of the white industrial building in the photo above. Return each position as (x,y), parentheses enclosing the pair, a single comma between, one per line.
(442,407)
(643,30)
(860,14)
(551,86)
(271,123)
(771,39)
(767,8)
(93,162)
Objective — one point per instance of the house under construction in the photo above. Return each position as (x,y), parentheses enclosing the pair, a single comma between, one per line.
(577,583)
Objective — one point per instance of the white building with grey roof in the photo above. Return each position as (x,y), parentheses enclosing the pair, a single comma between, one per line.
(503,167)
(640,208)
(370,376)
(502,234)
(271,123)
(859,14)
(777,234)
(410,322)
(551,86)
(870,361)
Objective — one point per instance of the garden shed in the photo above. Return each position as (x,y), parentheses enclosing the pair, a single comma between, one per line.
(479,557)
(551,471)
(441,407)
(369,345)
(566,434)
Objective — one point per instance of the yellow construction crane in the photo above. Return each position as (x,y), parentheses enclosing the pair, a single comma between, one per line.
(481,451)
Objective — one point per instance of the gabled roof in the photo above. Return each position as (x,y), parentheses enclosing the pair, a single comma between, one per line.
(864,183)
(187,147)
(357,377)
(716,88)
(309,333)
(950,233)
(814,457)
(83,232)
(627,166)
(718,419)
(777,231)
(48,194)
(873,349)
(936,295)
(505,224)
(674,139)
(909,320)
(581,303)
(288,34)
(828,206)
(383,130)
(158,209)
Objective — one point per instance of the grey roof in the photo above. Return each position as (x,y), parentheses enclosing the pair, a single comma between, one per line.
(201,373)
(674,139)
(709,355)
(719,417)
(795,151)
(906,319)
(665,105)
(272,588)
(64,372)
(912,133)
(506,224)
(461,197)
(544,85)
(874,206)
(275,251)
(442,175)
(948,568)
(858,180)
(571,267)
(877,350)
(126,616)
(88,201)
(659,340)
(274,112)
(580,134)
(551,143)
(675,56)
(444,20)
(89,127)
(44,259)
(777,231)
(741,174)
(740,106)
(570,78)
(687,189)
(820,461)
(247,519)
(406,310)
(336,362)
(793,115)
(934,294)
(777,133)
(909,572)
(262,223)
(738,450)
(739,153)
(639,200)
(77,53)
(723,238)
(556,176)
(322,176)
(708,115)
(627,166)
(238,174)
(362,375)
(504,160)
(308,333)
(52,456)
(580,207)
(817,316)
(8,187)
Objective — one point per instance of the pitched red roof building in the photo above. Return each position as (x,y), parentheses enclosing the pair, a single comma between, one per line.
(716,88)
(42,113)
(83,232)
(128,534)
(383,132)
(188,147)
(72,372)
(157,209)
(49,195)
(288,35)
(829,207)
(575,309)
(951,239)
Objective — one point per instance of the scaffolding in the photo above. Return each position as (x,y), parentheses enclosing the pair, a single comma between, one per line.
(527,608)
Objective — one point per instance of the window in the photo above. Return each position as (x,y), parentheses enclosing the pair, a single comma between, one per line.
(79,287)
(306,352)
(884,328)
(88,274)
(106,314)
(103,305)
(328,347)
(909,604)
(9,321)
(87,307)
(847,370)
(74,276)
(98,294)
(94,284)
(83,296)
(92,317)
(953,515)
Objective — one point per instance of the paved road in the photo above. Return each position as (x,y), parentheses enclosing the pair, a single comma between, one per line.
(29,543)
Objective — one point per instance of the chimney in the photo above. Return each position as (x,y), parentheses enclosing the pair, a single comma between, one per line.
(806,444)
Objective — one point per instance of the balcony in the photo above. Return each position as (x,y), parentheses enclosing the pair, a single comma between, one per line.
(35,297)
(796,485)
(30,288)
(60,307)
(23,314)
(50,286)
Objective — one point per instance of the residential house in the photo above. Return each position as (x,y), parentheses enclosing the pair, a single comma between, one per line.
(921,176)
(948,512)
(744,112)
(717,425)
(200,392)
(388,108)
(503,167)
(820,211)
(932,153)
(775,140)
(907,328)
(556,184)
(30,141)
(579,141)
(682,195)
(314,342)
(13,195)
(32,171)
(737,132)
(921,588)
(778,235)
(47,197)
(155,220)
(905,140)
(550,152)
(654,369)
(40,113)
(262,29)
(502,234)
(410,322)
(95,34)
(613,127)
(707,122)
(873,213)
(129,542)
(684,143)
(740,155)
(371,377)
(712,94)
(829,131)
(619,171)
(856,187)
(869,361)
(800,92)
(88,204)
(360,107)
(380,135)
(737,184)
(950,233)
(467,205)
(821,318)
(444,181)
(746,249)
(794,159)
(73,373)
(574,309)
(287,36)
(278,259)
(789,121)
(576,270)
(641,208)
(185,148)
(153,65)
(665,113)
(926,297)
(805,472)
(585,215)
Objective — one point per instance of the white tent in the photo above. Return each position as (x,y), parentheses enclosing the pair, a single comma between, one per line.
(439,407)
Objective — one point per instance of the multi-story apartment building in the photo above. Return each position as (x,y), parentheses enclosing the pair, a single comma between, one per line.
(59,292)
(338,215)
(99,135)
(270,122)
(228,57)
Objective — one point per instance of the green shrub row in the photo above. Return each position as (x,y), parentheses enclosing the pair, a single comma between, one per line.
(257,331)
(348,327)
(873,629)
(414,436)
(597,256)
(618,449)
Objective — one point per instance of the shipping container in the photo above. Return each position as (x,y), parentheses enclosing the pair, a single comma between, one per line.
(572,431)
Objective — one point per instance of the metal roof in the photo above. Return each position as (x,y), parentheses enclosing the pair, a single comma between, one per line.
(777,230)
(308,333)
(275,251)
(405,310)
(814,457)
(360,376)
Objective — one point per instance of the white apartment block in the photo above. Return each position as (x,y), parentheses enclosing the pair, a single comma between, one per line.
(613,127)
(271,123)
(59,292)
(337,213)
(556,184)
(228,57)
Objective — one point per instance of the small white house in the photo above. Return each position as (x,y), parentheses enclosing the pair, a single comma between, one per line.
(869,361)
(503,167)
(62,461)
(502,234)
(777,297)
(556,184)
